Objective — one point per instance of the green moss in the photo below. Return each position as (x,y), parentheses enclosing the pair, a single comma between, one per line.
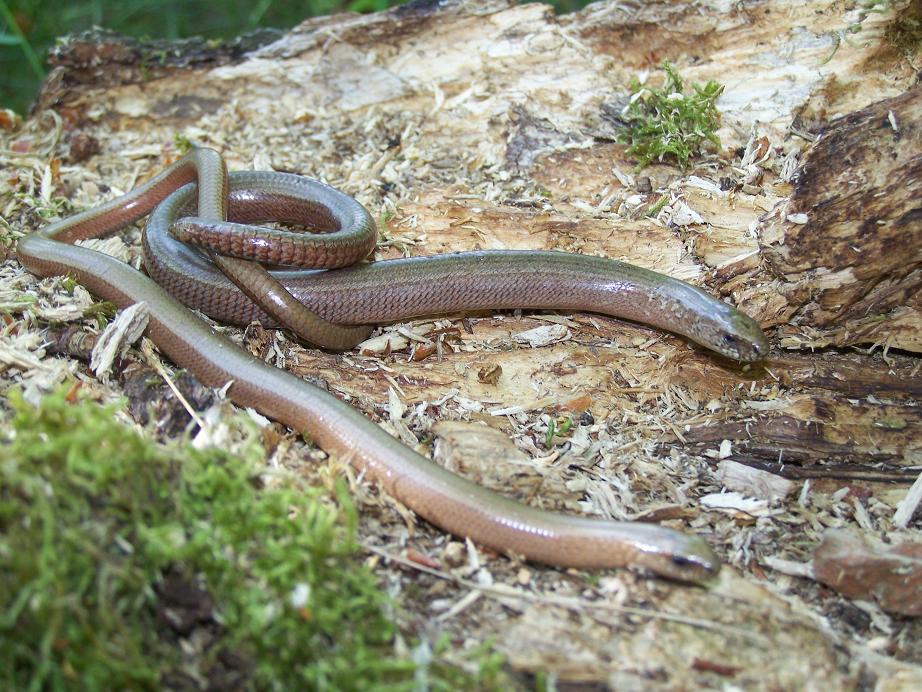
(113,548)
(383,218)
(656,206)
(485,661)
(667,123)
(182,143)
(101,312)
(905,32)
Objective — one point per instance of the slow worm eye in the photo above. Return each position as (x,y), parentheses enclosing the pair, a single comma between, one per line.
(681,560)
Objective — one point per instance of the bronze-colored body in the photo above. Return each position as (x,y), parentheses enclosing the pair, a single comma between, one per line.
(376,292)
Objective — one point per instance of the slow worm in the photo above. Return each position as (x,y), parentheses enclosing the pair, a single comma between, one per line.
(360,295)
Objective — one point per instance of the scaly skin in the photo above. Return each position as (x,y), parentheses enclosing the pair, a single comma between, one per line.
(381,291)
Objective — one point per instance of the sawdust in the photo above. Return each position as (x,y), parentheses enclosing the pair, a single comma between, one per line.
(484,131)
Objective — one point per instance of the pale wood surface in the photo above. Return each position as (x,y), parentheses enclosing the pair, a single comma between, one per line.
(489,125)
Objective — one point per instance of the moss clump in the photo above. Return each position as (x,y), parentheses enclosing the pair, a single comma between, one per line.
(905,32)
(669,123)
(127,565)
(182,143)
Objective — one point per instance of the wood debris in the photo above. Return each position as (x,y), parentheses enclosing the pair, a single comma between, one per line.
(754,482)
(488,124)
(863,569)
(121,333)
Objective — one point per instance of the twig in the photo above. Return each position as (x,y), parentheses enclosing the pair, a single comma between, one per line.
(154,361)
(576,604)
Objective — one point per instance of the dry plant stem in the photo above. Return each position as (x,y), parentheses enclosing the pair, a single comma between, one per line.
(447,500)
(154,361)
(568,602)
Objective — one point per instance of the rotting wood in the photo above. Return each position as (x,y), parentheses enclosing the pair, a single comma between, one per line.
(856,255)
(490,125)
(817,430)
(836,472)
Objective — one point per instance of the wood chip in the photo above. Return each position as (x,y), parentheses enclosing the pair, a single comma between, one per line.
(121,333)
(542,336)
(754,482)
(859,567)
